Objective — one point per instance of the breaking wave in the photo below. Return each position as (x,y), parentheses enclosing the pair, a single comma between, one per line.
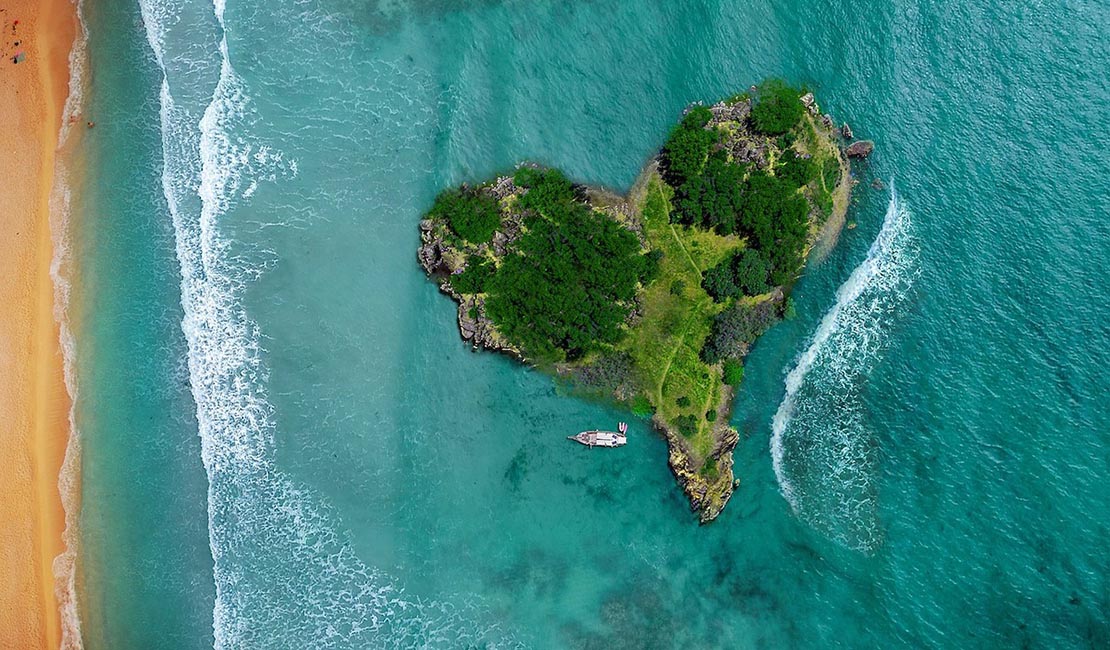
(64,566)
(284,576)
(822,447)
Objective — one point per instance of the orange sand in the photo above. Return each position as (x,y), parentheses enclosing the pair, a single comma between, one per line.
(34,404)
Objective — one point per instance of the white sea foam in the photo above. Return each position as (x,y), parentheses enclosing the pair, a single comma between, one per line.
(821,446)
(64,566)
(284,576)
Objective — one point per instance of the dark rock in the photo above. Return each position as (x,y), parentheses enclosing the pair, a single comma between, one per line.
(827,122)
(846,131)
(725,112)
(860,149)
(878,184)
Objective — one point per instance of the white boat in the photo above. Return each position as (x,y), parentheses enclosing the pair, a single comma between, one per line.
(598,438)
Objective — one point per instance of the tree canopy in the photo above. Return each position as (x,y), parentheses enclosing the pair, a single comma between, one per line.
(567,286)
(471,213)
(775,216)
(744,273)
(687,147)
(778,108)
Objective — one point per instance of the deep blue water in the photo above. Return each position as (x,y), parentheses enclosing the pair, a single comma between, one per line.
(287,446)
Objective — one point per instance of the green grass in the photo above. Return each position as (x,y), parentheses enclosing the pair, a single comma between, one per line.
(824,154)
(666,344)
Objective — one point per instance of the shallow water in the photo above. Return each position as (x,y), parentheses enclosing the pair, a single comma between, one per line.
(286,444)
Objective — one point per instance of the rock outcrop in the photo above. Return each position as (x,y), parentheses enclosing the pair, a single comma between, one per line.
(860,149)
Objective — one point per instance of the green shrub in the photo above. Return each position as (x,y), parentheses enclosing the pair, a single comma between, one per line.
(651,264)
(745,272)
(796,170)
(778,108)
(641,407)
(471,214)
(687,147)
(735,328)
(709,469)
(548,193)
(683,402)
(687,425)
(711,415)
(734,372)
(789,312)
(474,277)
(678,287)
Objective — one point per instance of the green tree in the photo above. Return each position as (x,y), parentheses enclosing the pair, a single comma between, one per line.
(776,217)
(750,270)
(796,170)
(568,286)
(713,199)
(548,193)
(687,147)
(474,277)
(778,108)
(471,213)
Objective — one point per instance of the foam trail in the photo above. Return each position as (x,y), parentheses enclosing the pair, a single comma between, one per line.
(64,566)
(284,577)
(821,447)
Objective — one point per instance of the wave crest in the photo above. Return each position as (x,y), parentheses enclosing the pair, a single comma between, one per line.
(285,575)
(822,448)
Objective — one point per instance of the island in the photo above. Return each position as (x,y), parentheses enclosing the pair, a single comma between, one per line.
(653,299)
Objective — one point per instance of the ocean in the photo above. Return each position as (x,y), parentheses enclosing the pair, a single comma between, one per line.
(285,444)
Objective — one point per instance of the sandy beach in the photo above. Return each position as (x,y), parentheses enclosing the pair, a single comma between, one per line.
(34,404)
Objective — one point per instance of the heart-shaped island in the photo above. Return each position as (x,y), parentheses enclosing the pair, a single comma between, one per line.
(654,298)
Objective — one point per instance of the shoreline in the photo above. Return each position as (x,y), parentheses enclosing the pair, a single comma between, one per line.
(34,401)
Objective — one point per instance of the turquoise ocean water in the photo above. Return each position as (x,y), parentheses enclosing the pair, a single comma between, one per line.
(286,445)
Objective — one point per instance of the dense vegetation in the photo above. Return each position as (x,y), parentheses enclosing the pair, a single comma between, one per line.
(743,273)
(713,192)
(735,328)
(567,287)
(778,108)
(775,218)
(471,213)
(688,147)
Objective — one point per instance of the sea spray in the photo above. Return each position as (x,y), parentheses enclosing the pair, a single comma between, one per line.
(822,447)
(64,566)
(284,574)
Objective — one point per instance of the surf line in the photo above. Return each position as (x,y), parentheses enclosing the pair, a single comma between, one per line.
(846,343)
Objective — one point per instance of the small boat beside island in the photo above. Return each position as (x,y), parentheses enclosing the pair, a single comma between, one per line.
(597,438)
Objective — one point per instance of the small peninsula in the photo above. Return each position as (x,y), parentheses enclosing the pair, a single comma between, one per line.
(655,298)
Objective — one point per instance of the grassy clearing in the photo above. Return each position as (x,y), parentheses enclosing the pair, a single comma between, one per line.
(677,317)
(824,154)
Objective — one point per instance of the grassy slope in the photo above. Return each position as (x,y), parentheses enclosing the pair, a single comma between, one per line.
(666,343)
